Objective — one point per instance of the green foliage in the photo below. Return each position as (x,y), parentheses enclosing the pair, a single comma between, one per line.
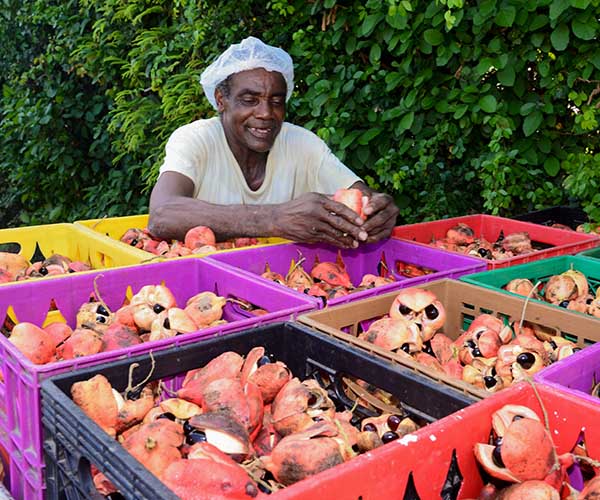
(452,107)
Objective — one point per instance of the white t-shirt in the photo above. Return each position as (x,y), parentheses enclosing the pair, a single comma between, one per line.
(299,162)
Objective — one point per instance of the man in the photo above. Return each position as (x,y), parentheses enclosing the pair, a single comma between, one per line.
(247,173)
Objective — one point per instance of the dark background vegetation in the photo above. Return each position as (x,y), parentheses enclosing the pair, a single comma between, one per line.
(491,106)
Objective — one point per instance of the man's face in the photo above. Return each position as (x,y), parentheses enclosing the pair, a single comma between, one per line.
(253,112)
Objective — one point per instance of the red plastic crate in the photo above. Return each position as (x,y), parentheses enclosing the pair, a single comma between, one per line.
(551,241)
(30,301)
(417,465)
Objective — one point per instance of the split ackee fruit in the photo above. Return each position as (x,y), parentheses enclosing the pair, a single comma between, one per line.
(352,198)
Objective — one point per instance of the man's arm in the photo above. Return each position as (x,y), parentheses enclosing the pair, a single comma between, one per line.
(310,218)
(381,213)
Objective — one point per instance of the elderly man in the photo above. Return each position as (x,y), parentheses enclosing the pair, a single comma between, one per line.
(249,173)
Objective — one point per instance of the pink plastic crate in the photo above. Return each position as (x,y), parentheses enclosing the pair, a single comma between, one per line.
(30,301)
(550,241)
(576,374)
(362,260)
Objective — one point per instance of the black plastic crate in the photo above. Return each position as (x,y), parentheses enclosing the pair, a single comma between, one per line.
(72,441)
(566,215)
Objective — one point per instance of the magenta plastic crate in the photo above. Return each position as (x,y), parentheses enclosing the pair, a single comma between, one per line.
(576,374)
(359,261)
(30,301)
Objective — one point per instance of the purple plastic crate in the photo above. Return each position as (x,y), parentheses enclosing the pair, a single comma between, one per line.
(30,301)
(575,374)
(359,261)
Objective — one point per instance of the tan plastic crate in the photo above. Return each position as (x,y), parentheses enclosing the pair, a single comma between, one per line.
(114,227)
(463,302)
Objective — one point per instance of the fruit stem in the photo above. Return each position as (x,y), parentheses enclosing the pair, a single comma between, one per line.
(132,367)
(97,292)
(525,305)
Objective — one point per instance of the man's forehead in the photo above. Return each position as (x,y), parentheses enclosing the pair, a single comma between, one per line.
(256,80)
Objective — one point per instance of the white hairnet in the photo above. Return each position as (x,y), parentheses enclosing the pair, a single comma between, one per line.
(250,53)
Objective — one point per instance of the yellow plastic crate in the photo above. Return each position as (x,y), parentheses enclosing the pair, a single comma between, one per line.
(36,243)
(115,227)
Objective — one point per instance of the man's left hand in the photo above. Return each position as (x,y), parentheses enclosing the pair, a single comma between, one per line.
(381,212)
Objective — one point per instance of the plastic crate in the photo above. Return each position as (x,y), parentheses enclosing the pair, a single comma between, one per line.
(576,374)
(31,301)
(439,463)
(362,260)
(549,241)
(463,302)
(592,253)
(542,271)
(72,440)
(36,243)
(565,215)
(115,227)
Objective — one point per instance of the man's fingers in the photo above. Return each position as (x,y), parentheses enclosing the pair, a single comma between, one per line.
(381,219)
(340,227)
(343,211)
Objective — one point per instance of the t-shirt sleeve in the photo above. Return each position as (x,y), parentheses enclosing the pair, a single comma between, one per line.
(185,153)
(328,172)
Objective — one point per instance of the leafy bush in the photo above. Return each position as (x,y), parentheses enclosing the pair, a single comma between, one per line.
(452,108)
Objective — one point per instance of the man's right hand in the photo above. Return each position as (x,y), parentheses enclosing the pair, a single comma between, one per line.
(315,217)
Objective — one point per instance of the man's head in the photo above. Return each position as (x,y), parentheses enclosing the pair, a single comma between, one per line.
(251,53)
(252,109)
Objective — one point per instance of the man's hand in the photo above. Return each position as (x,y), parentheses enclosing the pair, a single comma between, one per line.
(315,217)
(381,212)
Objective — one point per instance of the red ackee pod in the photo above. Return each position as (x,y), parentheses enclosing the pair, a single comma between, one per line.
(461,234)
(333,274)
(82,342)
(35,344)
(118,336)
(207,479)
(226,365)
(269,377)
(353,198)
(304,454)
(156,445)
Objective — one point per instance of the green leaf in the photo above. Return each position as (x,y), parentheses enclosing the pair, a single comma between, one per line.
(350,45)
(433,37)
(560,37)
(406,122)
(580,4)
(532,123)
(367,136)
(507,76)
(527,108)
(552,166)
(506,16)
(538,22)
(488,103)
(557,7)
(369,24)
(395,112)
(584,28)
(375,53)
(460,111)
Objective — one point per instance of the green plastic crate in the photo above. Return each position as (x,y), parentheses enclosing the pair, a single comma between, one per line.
(540,270)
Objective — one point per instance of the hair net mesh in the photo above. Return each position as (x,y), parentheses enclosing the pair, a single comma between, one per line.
(250,53)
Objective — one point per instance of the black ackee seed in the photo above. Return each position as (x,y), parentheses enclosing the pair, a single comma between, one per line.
(476,353)
(564,303)
(264,360)
(115,496)
(482,252)
(431,311)
(370,427)
(553,344)
(404,309)
(194,437)
(493,371)
(576,349)
(187,428)
(471,344)
(133,242)
(589,301)
(498,441)
(405,347)
(526,360)
(102,310)
(43,271)
(168,415)
(100,319)
(393,422)
(427,348)
(517,417)
(157,308)
(167,324)
(489,381)
(312,399)
(497,457)
(389,436)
